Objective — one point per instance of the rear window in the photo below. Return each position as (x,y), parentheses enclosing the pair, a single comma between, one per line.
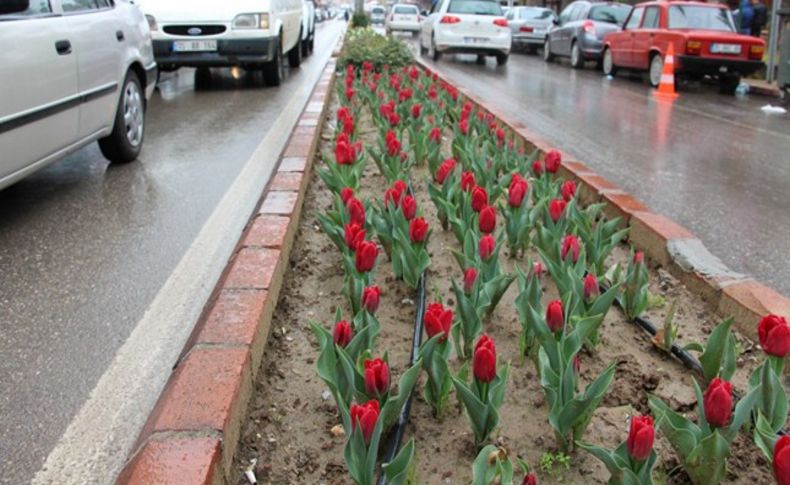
(475,7)
(613,14)
(377,10)
(535,13)
(405,10)
(697,17)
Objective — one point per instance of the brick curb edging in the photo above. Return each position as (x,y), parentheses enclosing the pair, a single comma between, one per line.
(191,435)
(664,242)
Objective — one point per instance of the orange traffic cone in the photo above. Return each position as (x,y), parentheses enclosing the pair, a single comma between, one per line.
(666,88)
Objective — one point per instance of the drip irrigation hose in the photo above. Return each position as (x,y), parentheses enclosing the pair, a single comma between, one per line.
(396,435)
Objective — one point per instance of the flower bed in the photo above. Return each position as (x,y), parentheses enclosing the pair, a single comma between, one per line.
(551,337)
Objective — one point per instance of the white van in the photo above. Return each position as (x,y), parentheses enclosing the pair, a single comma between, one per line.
(253,34)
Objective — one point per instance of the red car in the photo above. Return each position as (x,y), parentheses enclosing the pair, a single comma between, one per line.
(704,37)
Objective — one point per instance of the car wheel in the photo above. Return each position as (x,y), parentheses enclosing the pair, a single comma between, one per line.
(126,140)
(608,63)
(305,45)
(295,54)
(656,69)
(728,84)
(577,59)
(273,72)
(435,54)
(311,42)
(547,55)
(501,59)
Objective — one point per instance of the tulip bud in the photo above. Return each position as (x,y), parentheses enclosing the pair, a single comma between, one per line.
(438,320)
(342,333)
(467,181)
(517,191)
(782,460)
(552,161)
(484,360)
(354,235)
(349,93)
(530,479)
(365,416)
(444,170)
(500,134)
(416,109)
(570,245)
(371,296)
(409,207)
(554,317)
(463,125)
(537,168)
(774,335)
(568,190)
(366,254)
(346,194)
(470,275)
(435,135)
(640,437)
(343,152)
(487,221)
(718,402)
(356,212)
(590,286)
(377,377)
(556,208)
(392,143)
(479,198)
(418,230)
(487,246)
(538,269)
(394,119)
(639,257)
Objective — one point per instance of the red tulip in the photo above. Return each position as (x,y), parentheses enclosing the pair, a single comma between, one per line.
(394,119)
(377,377)
(552,160)
(718,402)
(487,246)
(500,134)
(639,257)
(530,479)
(570,245)
(349,93)
(479,198)
(470,275)
(774,335)
(416,109)
(435,135)
(444,170)
(356,212)
(590,286)
(393,144)
(342,333)
(464,127)
(343,114)
(782,460)
(484,360)
(365,416)
(467,181)
(556,208)
(371,297)
(355,234)
(640,437)
(346,194)
(395,193)
(487,222)
(366,255)
(418,230)
(348,126)
(438,320)
(537,168)
(344,152)
(409,207)
(554,318)
(405,95)
(568,190)
(538,268)
(517,191)
(386,109)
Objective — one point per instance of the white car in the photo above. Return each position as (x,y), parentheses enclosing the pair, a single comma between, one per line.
(308,27)
(466,27)
(253,34)
(72,72)
(403,17)
(378,15)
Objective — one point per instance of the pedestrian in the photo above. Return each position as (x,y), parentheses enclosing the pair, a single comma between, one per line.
(745,16)
(759,17)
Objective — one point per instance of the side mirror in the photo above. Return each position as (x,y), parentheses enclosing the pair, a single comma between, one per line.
(556,21)
(13,6)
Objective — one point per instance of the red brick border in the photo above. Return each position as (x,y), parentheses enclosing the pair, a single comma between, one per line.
(191,436)
(725,291)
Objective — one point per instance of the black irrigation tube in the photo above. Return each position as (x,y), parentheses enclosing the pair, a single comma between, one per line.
(396,435)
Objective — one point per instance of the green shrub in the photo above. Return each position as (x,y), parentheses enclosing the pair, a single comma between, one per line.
(360,20)
(367,45)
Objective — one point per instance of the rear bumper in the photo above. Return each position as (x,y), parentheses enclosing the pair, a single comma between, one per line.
(457,44)
(405,26)
(707,65)
(592,48)
(529,39)
(228,53)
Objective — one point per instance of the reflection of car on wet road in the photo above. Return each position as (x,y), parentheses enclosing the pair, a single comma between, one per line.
(403,18)
(529,26)
(378,15)
(254,34)
(72,73)
(466,27)
(703,36)
(581,28)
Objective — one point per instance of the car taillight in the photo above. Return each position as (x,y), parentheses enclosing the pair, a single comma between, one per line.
(756,52)
(588,27)
(526,29)
(693,47)
(500,22)
(449,19)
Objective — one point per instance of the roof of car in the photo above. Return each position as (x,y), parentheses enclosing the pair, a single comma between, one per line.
(682,2)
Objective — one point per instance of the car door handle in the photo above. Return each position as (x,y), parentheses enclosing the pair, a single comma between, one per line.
(119,35)
(63,47)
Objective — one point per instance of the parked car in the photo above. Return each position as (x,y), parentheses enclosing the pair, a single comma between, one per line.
(529,26)
(704,38)
(403,17)
(580,30)
(466,27)
(378,15)
(73,73)
(253,34)
(308,27)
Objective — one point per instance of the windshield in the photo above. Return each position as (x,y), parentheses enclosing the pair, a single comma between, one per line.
(475,7)
(613,14)
(697,17)
(404,10)
(535,13)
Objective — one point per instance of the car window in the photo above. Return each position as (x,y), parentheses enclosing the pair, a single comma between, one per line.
(635,18)
(565,15)
(474,7)
(651,18)
(37,7)
(79,5)
(535,13)
(704,18)
(613,14)
(405,10)
(580,12)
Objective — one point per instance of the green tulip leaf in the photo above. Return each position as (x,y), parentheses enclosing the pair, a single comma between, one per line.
(681,432)
(399,469)
(716,349)
(707,463)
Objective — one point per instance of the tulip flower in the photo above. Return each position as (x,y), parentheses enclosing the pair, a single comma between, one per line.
(356,212)
(517,191)
(484,360)
(394,119)
(568,190)
(590,286)
(556,208)
(487,246)
(554,317)
(366,255)
(409,207)
(538,269)
(346,194)
(354,234)
(395,193)
(371,297)
(530,479)
(552,161)
(479,198)
(377,377)
(718,402)
(393,144)
(405,94)
(344,153)
(774,335)
(438,320)
(500,135)
(639,257)
(349,93)
(463,125)
(365,416)
(444,171)
(487,222)
(470,275)
(782,460)
(570,245)
(640,437)
(435,135)
(343,114)
(416,109)
(342,333)
(537,168)
(467,181)
(418,230)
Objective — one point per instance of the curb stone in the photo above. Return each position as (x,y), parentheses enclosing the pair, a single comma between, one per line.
(191,435)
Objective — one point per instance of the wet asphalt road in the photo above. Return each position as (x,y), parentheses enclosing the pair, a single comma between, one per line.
(85,247)
(715,164)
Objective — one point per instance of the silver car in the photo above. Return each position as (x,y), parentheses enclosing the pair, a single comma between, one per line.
(529,26)
(581,28)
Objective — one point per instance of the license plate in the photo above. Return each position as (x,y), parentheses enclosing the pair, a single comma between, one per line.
(475,40)
(404,19)
(194,45)
(725,49)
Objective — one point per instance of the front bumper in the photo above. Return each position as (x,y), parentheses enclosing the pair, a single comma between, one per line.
(713,66)
(230,52)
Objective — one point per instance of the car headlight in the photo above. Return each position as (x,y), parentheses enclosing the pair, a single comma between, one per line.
(151,22)
(251,21)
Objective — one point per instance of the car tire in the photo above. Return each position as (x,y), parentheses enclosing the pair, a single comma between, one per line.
(501,59)
(607,64)
(311,42)
(273,72)
(295,54)
(729,83)
(124,143)
(655,70)
(577,58)
(305,46)
(547,55)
